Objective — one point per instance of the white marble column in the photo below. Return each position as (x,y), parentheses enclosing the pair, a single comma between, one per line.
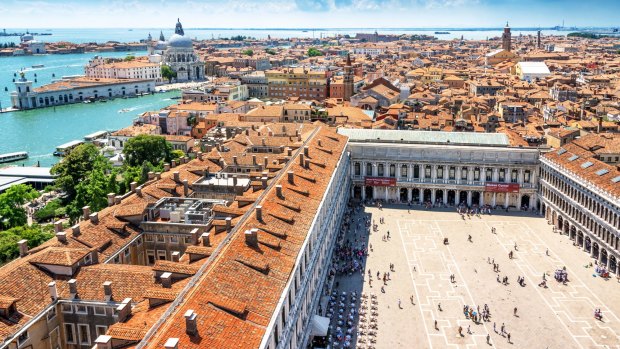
(445,196)
(468,198)
(494,198)
(481,203)
(433,197)
(506,201)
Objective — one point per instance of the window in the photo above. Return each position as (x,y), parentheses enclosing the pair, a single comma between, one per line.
(403,171)
(427,172)
(70,333)
(464,171)
(489,175)
(81,309)
(188,239)
(526,176)
(161,238)
(451,173)
(174,239)
(161,255)
(100,311)
(476,174)
(392,170)
(502,175)
(51,314)
(440,172)
(67,308)
(416,171)
(380,170)
(148,237)
(368,169)
(357,168)
(513,176)
(84,333)
(22,337)
(101,330)
(150,257)
(126,252)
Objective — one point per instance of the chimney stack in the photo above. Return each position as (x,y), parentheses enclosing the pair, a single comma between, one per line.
(319,143)
(111,199)
(85,212)
(166,280)
(173,163)
(264,181)
(177,176)
(53,290)
(118,199)
(57,226)
(199,155)
(301,160)
(23,247)
(228,224)
(133,186)
(251,237)
(234,177)
(307,164)
(185,188)
(190,323)
(94,218)
(279,191)
(235,159)
(266,162)
(206,239)
(151,175)
(76,230)
(139,191)
(259,213)
(254,159)
(107,290)
(62,237)
(166,167)
(73,288)
(176,256)
(172,343)
(123,310)
(291,177)
(289,151)
(103,342)
(306,148)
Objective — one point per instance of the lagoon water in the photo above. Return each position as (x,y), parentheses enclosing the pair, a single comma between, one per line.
(40,131)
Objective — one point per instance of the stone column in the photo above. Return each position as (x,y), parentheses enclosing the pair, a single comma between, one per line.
(607,263)
(468,198)
(457,197)
(583,240)
(458,174)
(434,173)
(483,177)
(421,198)
(520,176)
(495,174)
(386,193)
(409,194)
(494,198)
(481,198)
(506,201)
(433,195)
(445,197)
(363,192)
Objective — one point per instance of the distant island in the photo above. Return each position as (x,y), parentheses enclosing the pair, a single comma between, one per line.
(587,35)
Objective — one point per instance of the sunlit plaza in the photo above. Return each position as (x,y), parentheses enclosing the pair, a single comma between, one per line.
(438,270)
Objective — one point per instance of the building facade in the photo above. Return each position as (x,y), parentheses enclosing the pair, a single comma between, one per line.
(297,82)
(180,56)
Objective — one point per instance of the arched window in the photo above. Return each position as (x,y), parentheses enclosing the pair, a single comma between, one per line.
(380,171)
(357,168)
(403,171)
(392,170)
(368,169)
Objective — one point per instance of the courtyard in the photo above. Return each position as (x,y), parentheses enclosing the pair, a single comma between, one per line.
(421,305)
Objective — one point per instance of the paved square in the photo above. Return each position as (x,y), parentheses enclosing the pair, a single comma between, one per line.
(559,316)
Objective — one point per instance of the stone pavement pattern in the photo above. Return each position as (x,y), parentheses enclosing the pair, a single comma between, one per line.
(560,316)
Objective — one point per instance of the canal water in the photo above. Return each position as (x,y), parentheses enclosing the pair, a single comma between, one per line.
(40,131)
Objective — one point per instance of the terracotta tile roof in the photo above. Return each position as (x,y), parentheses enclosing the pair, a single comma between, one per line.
(60,256)
(174,267)
(161,293)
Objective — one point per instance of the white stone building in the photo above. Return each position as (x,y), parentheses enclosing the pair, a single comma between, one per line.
(180,56)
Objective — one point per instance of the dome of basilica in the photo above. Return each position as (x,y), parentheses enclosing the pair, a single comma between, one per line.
(180,41)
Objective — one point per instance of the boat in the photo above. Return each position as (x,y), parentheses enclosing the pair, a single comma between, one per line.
(442,32)
(38,66)
(124,110)
(9,157)
(64,149)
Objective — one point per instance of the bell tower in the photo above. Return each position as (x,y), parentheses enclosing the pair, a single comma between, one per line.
(348,79)
(506,38)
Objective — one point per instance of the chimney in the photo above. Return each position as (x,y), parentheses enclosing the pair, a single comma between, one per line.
(94,218)
(234,177)
(291,177)
(133,186)
(85,212)
(76,230)
(306,150)
(173,163)
(185,159)
(251,237)
(307,164)
(228,224)
(176,176)
(265,162)
(107,290)
(123,310)
(103,342)
(158,175)
(185,188)
(206,241)
(151,175)
(57,226)
(176,256)
(279,191)
(263,142)
(172,343)
(166,167)
(53,290)
(270,133)
(301,160)
(166,280)
(264,181)
(23,247)
(139,191)
(235,159)
(259,213)
(289,151)
(190,323)
(111,199)
(62,237)
(254,159)
(73,288)
(319,142)
(118,199)
(199,155)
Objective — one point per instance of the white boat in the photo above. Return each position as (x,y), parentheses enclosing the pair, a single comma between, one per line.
(9,157)
(38,66)
(64,149)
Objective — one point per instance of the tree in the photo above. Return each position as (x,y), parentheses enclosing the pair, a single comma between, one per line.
(270,51)
(313,52)
(248,52)
(76,166)
(51,210)
(36,235)
(12,212)
(91,192)
(151,148)
(167,73)
(129,58)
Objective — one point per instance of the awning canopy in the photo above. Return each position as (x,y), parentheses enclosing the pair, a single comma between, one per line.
(320,324)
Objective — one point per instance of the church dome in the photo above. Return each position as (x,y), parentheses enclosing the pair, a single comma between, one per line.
(180,41)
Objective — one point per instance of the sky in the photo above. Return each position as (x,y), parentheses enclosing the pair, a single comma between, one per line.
(307,13)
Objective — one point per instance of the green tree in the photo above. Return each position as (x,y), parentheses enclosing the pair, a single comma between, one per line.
(129,58)
(151,148)
(248,52)
(12,212)
(75,167)
(167,73)
(92,191)
(313,52)
(51,210)
(35,235)
(270,51)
